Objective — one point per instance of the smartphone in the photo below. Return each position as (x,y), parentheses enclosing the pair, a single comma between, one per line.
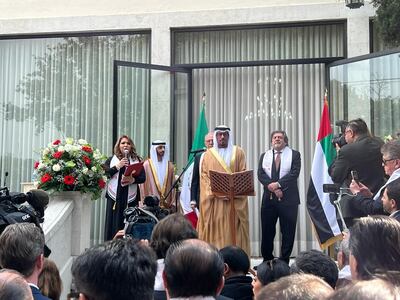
(354,175)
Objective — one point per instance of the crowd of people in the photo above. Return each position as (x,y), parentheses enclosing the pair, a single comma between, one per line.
(211,261)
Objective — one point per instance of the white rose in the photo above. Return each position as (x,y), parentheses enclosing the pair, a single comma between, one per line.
(82,142)
(85,170)
(41,166)
(94,169)
(96,154)
(68,147)
(56,168)
(69,141)
(46,151)
(61,148)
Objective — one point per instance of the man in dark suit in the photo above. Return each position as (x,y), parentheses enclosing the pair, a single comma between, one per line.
(21,249)
(391,199)
(362,154)
(195,185)
(364,202)
(278,170)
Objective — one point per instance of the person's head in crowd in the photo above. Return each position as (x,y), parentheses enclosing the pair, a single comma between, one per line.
(119,269)
(374,247)
(123,143)
(391,197)
(171,229)
(269,271)
(296,287)
(193,268)
(355,128)
(209,140)
(391,156)
(13,286)
(236,261)
(374,289)
(21,249)
(49,282)
(343,253)
(317,263)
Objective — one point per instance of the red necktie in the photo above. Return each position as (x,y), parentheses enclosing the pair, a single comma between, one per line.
(277,160)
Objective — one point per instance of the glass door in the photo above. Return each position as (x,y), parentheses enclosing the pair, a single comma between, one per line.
(144,97)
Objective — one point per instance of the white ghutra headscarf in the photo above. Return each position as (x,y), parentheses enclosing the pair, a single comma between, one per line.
(225,153)
(160,166)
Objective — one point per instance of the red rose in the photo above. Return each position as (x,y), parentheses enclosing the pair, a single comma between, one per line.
(101,183)
(86,160)
(36,164)
(69,180)
(87,149)
(45,178)
(58,154)
(56,142)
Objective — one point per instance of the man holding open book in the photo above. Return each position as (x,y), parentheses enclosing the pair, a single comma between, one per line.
(215,224)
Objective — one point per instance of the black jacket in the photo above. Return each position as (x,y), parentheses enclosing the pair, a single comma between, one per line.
(238,288)
(363,156)
(288,182)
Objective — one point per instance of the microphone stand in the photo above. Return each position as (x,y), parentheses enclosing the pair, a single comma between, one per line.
(175,184)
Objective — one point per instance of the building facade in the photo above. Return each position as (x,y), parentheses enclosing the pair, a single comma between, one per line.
(261,66)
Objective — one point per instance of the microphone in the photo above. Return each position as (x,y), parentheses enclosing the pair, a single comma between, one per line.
(126,153)
(5,178)
(198,150)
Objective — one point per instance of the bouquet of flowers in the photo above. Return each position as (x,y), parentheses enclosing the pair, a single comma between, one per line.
(71,165)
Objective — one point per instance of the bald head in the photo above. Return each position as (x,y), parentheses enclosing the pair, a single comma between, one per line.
(14,286)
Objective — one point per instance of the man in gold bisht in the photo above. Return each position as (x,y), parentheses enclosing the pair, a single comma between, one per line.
(214,224)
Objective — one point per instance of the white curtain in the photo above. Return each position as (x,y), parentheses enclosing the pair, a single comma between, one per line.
(254,101)
(62,87)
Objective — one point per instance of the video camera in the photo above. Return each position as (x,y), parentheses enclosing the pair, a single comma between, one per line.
(13,208)
(339,138)
(140,221)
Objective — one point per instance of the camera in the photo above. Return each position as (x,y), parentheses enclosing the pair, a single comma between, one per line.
(331,188)
(140,221)
(339,138)
(13,207)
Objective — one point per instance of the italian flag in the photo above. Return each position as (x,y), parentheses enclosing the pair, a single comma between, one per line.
(320,209)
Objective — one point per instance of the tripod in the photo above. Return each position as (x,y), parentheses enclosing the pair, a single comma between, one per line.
(342,191)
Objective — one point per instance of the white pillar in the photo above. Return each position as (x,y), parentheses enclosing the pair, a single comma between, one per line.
(160,84)
(357,34)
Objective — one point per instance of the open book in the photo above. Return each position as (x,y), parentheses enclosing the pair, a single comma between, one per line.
(235,184)
(134,168)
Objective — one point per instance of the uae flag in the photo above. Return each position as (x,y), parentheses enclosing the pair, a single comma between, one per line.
(320,209)
(198,143)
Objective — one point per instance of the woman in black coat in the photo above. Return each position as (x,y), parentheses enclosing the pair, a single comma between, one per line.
(122,191)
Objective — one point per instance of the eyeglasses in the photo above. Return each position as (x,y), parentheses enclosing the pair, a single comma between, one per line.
(385,161)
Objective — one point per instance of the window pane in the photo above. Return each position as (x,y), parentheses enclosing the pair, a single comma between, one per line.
(369,89)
